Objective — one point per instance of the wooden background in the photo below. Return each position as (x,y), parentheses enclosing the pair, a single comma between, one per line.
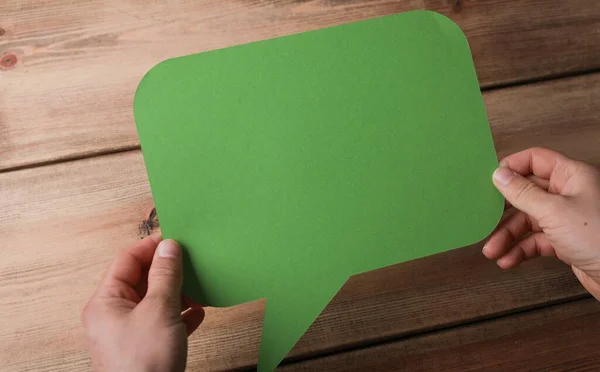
(73,187)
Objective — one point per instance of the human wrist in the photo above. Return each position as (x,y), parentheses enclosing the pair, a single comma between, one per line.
(590,282)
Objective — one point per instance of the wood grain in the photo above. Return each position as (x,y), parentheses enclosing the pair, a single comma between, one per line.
(61,224)
(69,68)
(556,338)
(563,115)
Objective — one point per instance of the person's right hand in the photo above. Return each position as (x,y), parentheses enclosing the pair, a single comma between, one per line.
(557,202)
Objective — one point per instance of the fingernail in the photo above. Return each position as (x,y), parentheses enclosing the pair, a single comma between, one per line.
(169,249)
(484,248)
(503,176)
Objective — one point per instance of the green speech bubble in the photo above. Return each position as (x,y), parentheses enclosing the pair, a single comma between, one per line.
(286,166)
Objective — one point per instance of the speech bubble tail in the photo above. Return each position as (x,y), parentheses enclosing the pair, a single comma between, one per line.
(287,317)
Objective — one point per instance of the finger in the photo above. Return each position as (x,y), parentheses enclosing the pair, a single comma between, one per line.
(509,231)
(165,276)
(187,303)
(532,246)
(546,164)
(142,287)
(537,161)
(523,194)
(542,183)
(126,270)
(191,303)
(139,256)
(192,318)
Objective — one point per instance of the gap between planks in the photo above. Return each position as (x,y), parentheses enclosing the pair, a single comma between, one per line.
(492,332)
(57,56)
(121,149)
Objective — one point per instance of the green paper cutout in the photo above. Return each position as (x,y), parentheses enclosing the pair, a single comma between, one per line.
(286,166)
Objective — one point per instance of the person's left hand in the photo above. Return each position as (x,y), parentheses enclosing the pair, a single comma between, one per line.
(138,320)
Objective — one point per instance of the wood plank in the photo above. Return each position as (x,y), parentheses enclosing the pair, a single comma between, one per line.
(69,69)
(61,225)
(562,115)
(555,338)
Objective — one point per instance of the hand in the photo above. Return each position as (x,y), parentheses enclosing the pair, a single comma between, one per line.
(138,320)
(557,202)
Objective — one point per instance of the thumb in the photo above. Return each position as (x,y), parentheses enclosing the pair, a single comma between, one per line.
(165,276)
(522,193)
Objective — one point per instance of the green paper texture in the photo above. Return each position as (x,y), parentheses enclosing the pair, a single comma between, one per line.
(286,166)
